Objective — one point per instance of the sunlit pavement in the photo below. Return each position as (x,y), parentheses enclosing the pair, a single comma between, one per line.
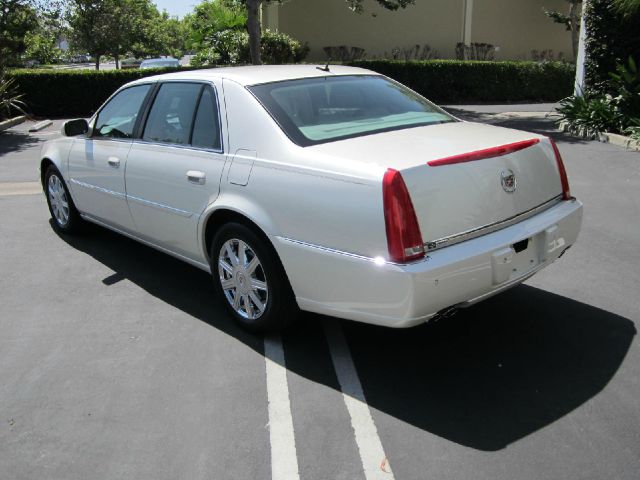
(117,361)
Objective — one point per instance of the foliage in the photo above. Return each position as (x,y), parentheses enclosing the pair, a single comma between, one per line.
(454,81)
(633,131)
(356,5)
(628,7)
(57,93)
(475,51)
(612,37)
(280,48)
(228,47)
(594,112)
(547,55)
(231,47)
(570,20)
(10,99)
(344,53)
(416,52)
(625,82)
(586,115)
(17,18)
(119,27)
(80,92)
(41,47)
(211,17)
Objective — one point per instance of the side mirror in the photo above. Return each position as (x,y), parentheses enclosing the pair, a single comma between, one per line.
(74,128)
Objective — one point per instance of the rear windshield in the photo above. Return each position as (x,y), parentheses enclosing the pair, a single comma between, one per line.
(325,109)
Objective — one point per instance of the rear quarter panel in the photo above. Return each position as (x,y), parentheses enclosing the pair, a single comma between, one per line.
(295,193)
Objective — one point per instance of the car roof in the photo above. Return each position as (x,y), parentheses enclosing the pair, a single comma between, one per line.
(254,75)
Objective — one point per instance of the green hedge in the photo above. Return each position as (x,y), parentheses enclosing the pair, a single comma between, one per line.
(454,81)
(72,93)
(75,93)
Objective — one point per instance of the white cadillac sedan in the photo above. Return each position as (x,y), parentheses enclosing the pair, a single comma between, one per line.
(337,191)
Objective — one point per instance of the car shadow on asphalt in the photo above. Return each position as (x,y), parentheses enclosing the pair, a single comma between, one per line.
(485,378)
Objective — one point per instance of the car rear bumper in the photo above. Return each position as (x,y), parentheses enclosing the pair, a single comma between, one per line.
(349,286)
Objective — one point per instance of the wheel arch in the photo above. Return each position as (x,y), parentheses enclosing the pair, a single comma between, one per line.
(218,216)
(45,163)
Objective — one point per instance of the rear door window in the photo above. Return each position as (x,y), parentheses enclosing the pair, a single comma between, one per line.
(172,113)
(206,128)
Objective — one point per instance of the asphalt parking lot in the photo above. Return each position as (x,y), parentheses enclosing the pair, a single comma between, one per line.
(116,361)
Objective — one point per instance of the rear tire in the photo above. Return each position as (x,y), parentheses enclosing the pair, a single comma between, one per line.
(250,280)
(64,214)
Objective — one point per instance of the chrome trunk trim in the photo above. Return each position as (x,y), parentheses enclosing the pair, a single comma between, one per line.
(492,227)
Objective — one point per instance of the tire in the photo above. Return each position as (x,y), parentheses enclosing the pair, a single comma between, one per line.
(64,214)
(254,289)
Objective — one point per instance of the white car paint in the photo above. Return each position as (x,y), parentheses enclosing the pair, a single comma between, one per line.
(321,206)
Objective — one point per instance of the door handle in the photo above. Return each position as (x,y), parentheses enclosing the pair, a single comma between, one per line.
(195,176)
(113,162)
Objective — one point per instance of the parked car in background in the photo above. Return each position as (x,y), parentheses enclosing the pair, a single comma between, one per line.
(130,63)
(167,62)
(336,191)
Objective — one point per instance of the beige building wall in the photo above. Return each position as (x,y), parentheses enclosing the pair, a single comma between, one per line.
(516,26)
(520,26)
(330,23)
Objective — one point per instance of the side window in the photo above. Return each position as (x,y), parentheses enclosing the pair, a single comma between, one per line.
(118,117)
(172,113)
(206,128)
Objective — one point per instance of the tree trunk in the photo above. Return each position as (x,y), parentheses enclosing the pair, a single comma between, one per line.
(574,18)
(97,56)
(117,58)
(255,30)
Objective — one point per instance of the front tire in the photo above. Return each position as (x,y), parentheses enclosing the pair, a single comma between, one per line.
(64,214)
(250,280)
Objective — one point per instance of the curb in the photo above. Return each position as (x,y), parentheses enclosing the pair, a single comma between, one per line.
(619,140)
(40,125)
(12,122)
(605,137)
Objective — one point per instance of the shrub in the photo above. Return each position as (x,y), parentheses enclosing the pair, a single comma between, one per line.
(613,37)
(616,112)
(10,98)
(228,47)
(231,47)
(278,48)
(587,115)
(58,93)
(453,81)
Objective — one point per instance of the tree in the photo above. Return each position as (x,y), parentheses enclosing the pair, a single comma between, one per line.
(17,18)
(255,29)
(91,22)
(119,27)
(570,20)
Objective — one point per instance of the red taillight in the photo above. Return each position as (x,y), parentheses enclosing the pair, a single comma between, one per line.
(566,193)
(403,232)
(482,154)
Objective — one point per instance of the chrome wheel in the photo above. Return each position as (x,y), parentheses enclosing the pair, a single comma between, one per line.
(58,200)
(242,279)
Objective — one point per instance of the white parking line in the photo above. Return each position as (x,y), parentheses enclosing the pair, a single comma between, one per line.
(19,188)
(284,459)
(374,460)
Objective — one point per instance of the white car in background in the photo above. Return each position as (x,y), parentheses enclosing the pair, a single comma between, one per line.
(339,192)
(165,62)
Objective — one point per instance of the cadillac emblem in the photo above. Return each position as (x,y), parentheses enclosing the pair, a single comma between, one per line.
(508,180)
